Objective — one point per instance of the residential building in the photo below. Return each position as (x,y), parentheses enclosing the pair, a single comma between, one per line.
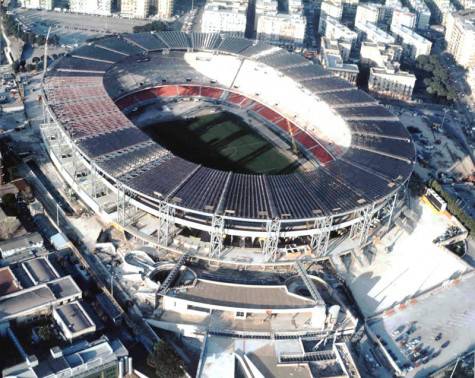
(439,10)
(471,81)
(334,30)
(332,59)
(396,4)
(329,8)
(8,282)
(403,17)
(460,37)
(367,13)
(422,14)
(349,11)
(378,54)
(98,7)
(224,16)
(277,27)
(165,9)
(20,244)
(413,44)
(268,7)
(99,358)
(22,305)
(73,320)
(295,6)
(368,31)
(385,77)
(391,82)
(467,4)
(281,28)
(134,8)
(37,4)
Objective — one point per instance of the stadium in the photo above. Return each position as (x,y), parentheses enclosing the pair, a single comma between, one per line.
(228,141)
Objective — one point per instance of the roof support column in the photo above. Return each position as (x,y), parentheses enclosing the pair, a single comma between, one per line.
(165,221)
(361,228)
(319,241)
(272,240)
(217,236)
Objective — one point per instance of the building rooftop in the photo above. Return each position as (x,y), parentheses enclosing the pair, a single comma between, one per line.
(26,301)
(335,63)
(74,317)
(8,282)
(39,270)
(467,17)
(21,243)
(73,360)
(408,34)
(373,33)
(242,296)
(274,358)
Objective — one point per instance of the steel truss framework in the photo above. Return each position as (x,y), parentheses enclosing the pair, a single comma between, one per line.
(217,236)
(272,240)
(90,179)
(165,223)
(319,241)
(360,229)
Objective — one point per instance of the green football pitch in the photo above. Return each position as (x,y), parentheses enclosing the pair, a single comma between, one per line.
(222,141)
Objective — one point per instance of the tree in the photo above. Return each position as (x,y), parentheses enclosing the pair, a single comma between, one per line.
(152,26)
(165,361)
(15,66)
(45,333)
(54,39)
(453,207)
(435,77)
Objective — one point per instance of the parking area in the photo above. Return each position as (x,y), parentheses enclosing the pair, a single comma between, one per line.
(73,29)
(429,334)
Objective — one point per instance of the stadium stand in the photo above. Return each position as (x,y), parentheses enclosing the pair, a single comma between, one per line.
(283,59)
(146,41)
(349,98)
(160,177)
(360,152)
(247,197)
(205,41)
(373,186)
(96,53)
(327,84)
(388,129)
(118,45)
(175,39)
(203,190)
(306,72)
(366,112)
(255,49)
(234,45)
(76,64)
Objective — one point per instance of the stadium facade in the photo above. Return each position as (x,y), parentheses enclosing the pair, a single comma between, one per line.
(361,155)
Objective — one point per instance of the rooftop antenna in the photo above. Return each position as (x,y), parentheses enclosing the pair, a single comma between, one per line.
(45,61)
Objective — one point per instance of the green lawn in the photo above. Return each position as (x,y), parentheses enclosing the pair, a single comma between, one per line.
(222,141)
